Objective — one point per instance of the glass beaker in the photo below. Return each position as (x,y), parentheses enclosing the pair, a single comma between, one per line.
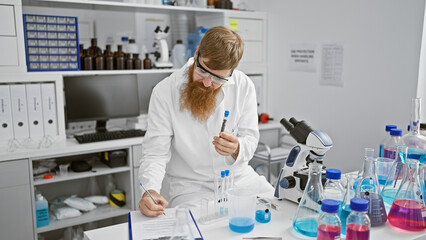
(408,208)
(242,209)
(368,188)
(182,230)
(395,176)
(383,167)
(351,179)
(308,211)
(415,142)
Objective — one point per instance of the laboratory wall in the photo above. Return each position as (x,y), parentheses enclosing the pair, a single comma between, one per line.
(381,42)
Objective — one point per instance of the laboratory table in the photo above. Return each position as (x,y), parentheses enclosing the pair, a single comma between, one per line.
(280,226)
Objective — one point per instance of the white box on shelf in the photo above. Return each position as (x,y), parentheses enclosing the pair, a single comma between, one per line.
(6,124)
(50,119)
(35,112)
(19,111)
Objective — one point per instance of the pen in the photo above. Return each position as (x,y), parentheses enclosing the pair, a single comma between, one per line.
(224,121)
(149,194)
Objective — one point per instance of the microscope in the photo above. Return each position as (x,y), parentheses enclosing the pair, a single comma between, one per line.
(312,146)
(160,42)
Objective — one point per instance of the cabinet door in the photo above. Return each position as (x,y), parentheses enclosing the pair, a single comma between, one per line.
(16,216)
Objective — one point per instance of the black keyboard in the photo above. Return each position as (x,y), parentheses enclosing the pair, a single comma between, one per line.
(111,135)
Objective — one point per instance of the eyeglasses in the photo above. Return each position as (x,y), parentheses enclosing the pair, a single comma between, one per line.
(207,74)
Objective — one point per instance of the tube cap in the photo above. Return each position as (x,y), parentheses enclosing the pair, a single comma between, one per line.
(359,204)
(335,174)
(226,113)
(396,132)
(389,127)
(222,173)
(226,172)
(330,206)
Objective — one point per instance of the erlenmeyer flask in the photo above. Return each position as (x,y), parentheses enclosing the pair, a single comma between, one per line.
(182,230)
(305,220)
(422,176)
(368,188)
(408,208)
(395,177)
(415,142)
(349,194)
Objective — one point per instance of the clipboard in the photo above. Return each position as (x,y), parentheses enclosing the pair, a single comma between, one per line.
(157,228)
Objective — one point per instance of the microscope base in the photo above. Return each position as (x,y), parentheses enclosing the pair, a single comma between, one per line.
(163,65)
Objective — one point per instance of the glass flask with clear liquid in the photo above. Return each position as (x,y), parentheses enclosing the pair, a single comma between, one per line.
(368,188)
(351,179)
(182,230)
(395,177)
(415,142)
(308,211)
(408,210)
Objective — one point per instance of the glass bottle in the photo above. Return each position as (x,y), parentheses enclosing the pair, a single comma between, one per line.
(389,149)
(358,222)
(415,142)
(147,62)
(368,188)
(351,179)
(329,224)
(132,48)
(387,137)
(87,60)
(396,176)
(333,189)
(128,61)
(137,63)
(181,230)
(99,61)
(119,63)
(308,211)
(81,56)
(408,208)
(109,58)
(94,49)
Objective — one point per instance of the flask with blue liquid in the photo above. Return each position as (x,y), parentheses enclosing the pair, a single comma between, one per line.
(42,211)
(308,212)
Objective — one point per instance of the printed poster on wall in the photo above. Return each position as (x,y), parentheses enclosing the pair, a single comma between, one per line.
(332,65)
(302,58)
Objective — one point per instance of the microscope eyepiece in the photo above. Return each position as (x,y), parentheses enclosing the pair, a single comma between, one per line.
(299,130)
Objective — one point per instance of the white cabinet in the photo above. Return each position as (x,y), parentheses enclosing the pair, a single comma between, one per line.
(12,57)
(15,201)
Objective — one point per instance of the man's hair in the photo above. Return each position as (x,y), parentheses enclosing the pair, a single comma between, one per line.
(222,47)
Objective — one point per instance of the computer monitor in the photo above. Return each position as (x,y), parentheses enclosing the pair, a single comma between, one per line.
(101,98)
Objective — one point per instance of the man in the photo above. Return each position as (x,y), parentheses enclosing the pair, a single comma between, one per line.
(185,115)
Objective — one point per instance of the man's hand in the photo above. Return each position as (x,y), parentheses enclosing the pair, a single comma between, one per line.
(149,208)
(227,144)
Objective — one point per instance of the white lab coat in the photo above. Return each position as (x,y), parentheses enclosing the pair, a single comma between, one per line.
(176,140)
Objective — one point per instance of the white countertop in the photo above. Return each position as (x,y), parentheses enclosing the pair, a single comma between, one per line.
(280,226)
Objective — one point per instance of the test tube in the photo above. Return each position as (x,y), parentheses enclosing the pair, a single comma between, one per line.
(216,195)
(222,193)
(204,210)
(227,185)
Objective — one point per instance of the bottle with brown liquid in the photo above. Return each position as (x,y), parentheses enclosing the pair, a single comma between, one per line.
(128,61)
(147,62)
(93,49)
(87,60)
(109,58)
(119,62)
(81,56)
(99,61)
(137,63)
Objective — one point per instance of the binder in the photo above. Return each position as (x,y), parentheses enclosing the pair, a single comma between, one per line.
(35,112)
(19,111)
(50,118)
(6,124)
